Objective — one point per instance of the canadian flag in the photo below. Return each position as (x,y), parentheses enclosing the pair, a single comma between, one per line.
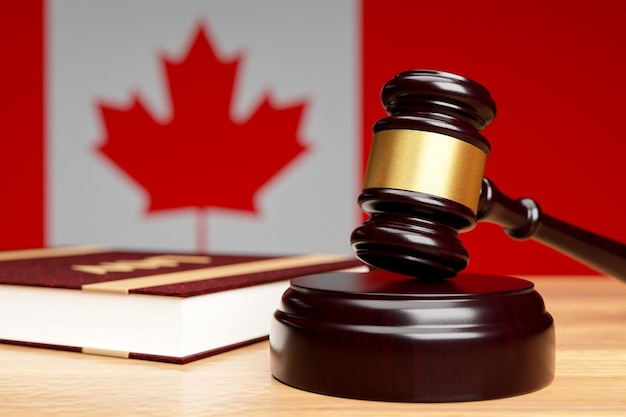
(245,125)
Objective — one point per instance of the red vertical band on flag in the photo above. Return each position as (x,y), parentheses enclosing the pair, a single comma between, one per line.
(22,124)
(554,71)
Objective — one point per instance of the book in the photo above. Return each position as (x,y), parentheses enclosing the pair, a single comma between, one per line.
(169,307)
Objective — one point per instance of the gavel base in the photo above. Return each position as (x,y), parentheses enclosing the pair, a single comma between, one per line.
(383,336)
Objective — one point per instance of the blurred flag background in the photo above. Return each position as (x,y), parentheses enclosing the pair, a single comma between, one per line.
(245,125)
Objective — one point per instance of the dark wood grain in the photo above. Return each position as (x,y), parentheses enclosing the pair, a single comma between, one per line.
(385,336)
(412,233)
(439,102)
(523,219)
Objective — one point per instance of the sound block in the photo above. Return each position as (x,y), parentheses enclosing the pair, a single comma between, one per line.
(389,337)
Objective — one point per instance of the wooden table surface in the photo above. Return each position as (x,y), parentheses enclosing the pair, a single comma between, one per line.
(590,316)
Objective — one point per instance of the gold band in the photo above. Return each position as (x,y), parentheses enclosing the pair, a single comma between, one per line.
(426,162)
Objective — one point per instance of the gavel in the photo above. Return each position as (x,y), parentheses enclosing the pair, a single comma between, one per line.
(385,335)
(424,185)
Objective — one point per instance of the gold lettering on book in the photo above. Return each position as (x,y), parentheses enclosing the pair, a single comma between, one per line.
(151,262)
(221,271)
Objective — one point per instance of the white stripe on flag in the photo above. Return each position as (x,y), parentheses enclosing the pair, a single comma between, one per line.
(111,52)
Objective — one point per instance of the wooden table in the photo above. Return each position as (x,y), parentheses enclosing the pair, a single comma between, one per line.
(590,316)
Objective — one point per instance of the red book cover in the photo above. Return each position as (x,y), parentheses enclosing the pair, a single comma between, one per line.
(171,307)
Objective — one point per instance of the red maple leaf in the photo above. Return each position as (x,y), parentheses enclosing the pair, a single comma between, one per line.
(201,157)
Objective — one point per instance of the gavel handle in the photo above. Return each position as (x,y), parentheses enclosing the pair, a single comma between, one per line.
(523,219)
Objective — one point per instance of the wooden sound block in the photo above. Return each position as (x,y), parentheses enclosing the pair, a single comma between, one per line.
(384,336)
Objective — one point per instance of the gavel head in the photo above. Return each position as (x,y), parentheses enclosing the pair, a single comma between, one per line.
(423,178)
